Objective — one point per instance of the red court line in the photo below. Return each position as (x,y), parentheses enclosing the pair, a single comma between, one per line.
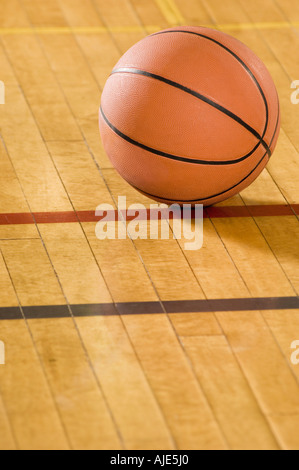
(89,216)
(252,211)
(16,219)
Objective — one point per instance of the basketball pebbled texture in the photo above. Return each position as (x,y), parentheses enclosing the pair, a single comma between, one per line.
(189,115)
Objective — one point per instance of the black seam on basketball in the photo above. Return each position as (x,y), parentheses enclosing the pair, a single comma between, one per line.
(236,57)
(201,199)
(218,194)
(203,98)
(175,157)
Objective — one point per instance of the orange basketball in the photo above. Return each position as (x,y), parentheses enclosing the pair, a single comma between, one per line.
(189,115)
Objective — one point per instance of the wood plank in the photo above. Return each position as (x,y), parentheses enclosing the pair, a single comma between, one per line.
(35,170)
(82,407)
(159,256)
(80,176)
(263,191)
(253,257)
(26,395)
(262,362)
(149,14)
(31,272)
(8,295)
(171,12)
(80,13)
(117,13)
(12,232)
(162,257)
(194,12)
(266,11)
(282,236)
(284,159)
(44,15)
(127,39)
(122,268)
(41,89)
(229,394)
(74,263)
(228,12)
(284,325)
(131,400)
(217,281)
(101,53)
(286,426)
(289,8)
(12,198)
(73,75)
(12,14)
(195,324)
(171,378)
(7,441)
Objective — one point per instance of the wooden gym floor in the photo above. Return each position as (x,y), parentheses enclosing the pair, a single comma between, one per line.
(113,344)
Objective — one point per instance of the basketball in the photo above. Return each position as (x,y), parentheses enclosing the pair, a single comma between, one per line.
(189,115)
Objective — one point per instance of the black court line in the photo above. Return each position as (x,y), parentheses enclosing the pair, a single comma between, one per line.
(150,308)
(10,313)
